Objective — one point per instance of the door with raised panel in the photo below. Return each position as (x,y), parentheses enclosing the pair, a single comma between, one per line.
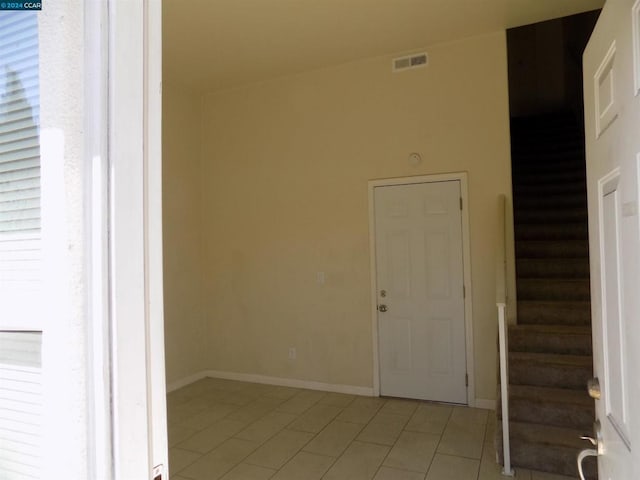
(421,321)
(612,122)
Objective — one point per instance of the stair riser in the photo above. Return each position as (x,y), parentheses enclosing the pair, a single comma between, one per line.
(553,459)
(548,343)
(534,151)
(559,249)
(529,314)
(579,417)
(552,178)
(548,375)
(557,215)
(552,169)
(549,290)
(553,269)
(550,189)
(574,200)
(552,231)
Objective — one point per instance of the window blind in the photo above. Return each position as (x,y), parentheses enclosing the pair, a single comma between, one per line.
(20,404)
(20,258)
(19,153)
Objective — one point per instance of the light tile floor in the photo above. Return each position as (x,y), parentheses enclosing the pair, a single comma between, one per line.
(222,429)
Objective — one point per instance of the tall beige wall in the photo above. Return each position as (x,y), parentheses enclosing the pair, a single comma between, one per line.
(182,232)
(284,182)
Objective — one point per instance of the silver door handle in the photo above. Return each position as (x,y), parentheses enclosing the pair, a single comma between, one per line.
(589,452)
(596,440)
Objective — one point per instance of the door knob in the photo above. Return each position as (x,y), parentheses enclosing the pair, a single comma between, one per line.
(382,308)
(593,386)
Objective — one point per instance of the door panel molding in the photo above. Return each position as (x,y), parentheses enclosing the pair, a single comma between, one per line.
(466,259)
(605,91)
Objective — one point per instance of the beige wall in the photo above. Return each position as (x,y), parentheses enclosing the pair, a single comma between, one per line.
(182,232)
(284,184)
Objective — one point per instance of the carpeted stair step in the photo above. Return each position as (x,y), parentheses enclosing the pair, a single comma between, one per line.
(557,407)
(551,215)
(550,370)
(552,177)
(554,313)
(550,188)
(560,339)
(557,200)
(552,231)
(540,152)
(553,289)
(552,249)
(548,168)
(552,268)
(547,448)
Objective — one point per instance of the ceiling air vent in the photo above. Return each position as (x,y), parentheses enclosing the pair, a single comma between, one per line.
(411,61)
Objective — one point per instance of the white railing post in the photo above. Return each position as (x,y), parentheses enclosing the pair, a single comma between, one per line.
(504,388)
(501,303)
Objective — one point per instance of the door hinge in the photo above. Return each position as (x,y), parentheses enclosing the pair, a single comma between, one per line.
(460,203)
(464,291)
(466,379)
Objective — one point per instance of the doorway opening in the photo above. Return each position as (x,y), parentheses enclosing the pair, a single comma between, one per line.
(550,348)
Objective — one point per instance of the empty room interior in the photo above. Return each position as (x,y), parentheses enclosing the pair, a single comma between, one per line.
(338,202)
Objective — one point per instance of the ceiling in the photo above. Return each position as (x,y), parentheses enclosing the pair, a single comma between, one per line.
(216,44)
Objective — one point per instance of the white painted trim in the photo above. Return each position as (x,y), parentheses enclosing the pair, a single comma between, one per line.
(466,261)
(183,382)
(486,403)
(152,121)
(99,444)
(135,248)
(635,20)
(279,381)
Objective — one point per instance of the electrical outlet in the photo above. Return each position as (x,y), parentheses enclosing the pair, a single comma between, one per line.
(292,353)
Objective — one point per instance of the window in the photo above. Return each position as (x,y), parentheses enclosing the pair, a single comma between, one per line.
(19,162)
(20,248)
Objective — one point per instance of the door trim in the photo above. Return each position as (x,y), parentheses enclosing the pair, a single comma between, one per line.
(466,262)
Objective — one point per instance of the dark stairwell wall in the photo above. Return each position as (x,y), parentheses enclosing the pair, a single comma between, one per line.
(545,65)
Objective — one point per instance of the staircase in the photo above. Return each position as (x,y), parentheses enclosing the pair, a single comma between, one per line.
(550,358)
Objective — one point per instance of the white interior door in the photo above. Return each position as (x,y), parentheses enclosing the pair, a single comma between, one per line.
(420,282)
(612,113)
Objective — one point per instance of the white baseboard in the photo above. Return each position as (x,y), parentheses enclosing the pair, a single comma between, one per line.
(291,382)
(282,382)
(485,403)
(183,382)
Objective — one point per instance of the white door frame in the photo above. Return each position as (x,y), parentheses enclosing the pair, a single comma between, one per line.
(126,193)
(466,262)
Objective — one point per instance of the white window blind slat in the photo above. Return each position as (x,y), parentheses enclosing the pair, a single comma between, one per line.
(19,164)
(20,155)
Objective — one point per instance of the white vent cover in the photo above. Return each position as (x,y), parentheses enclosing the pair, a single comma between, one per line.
(410,61)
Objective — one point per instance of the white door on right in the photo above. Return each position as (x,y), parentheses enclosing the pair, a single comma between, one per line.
(612,127)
